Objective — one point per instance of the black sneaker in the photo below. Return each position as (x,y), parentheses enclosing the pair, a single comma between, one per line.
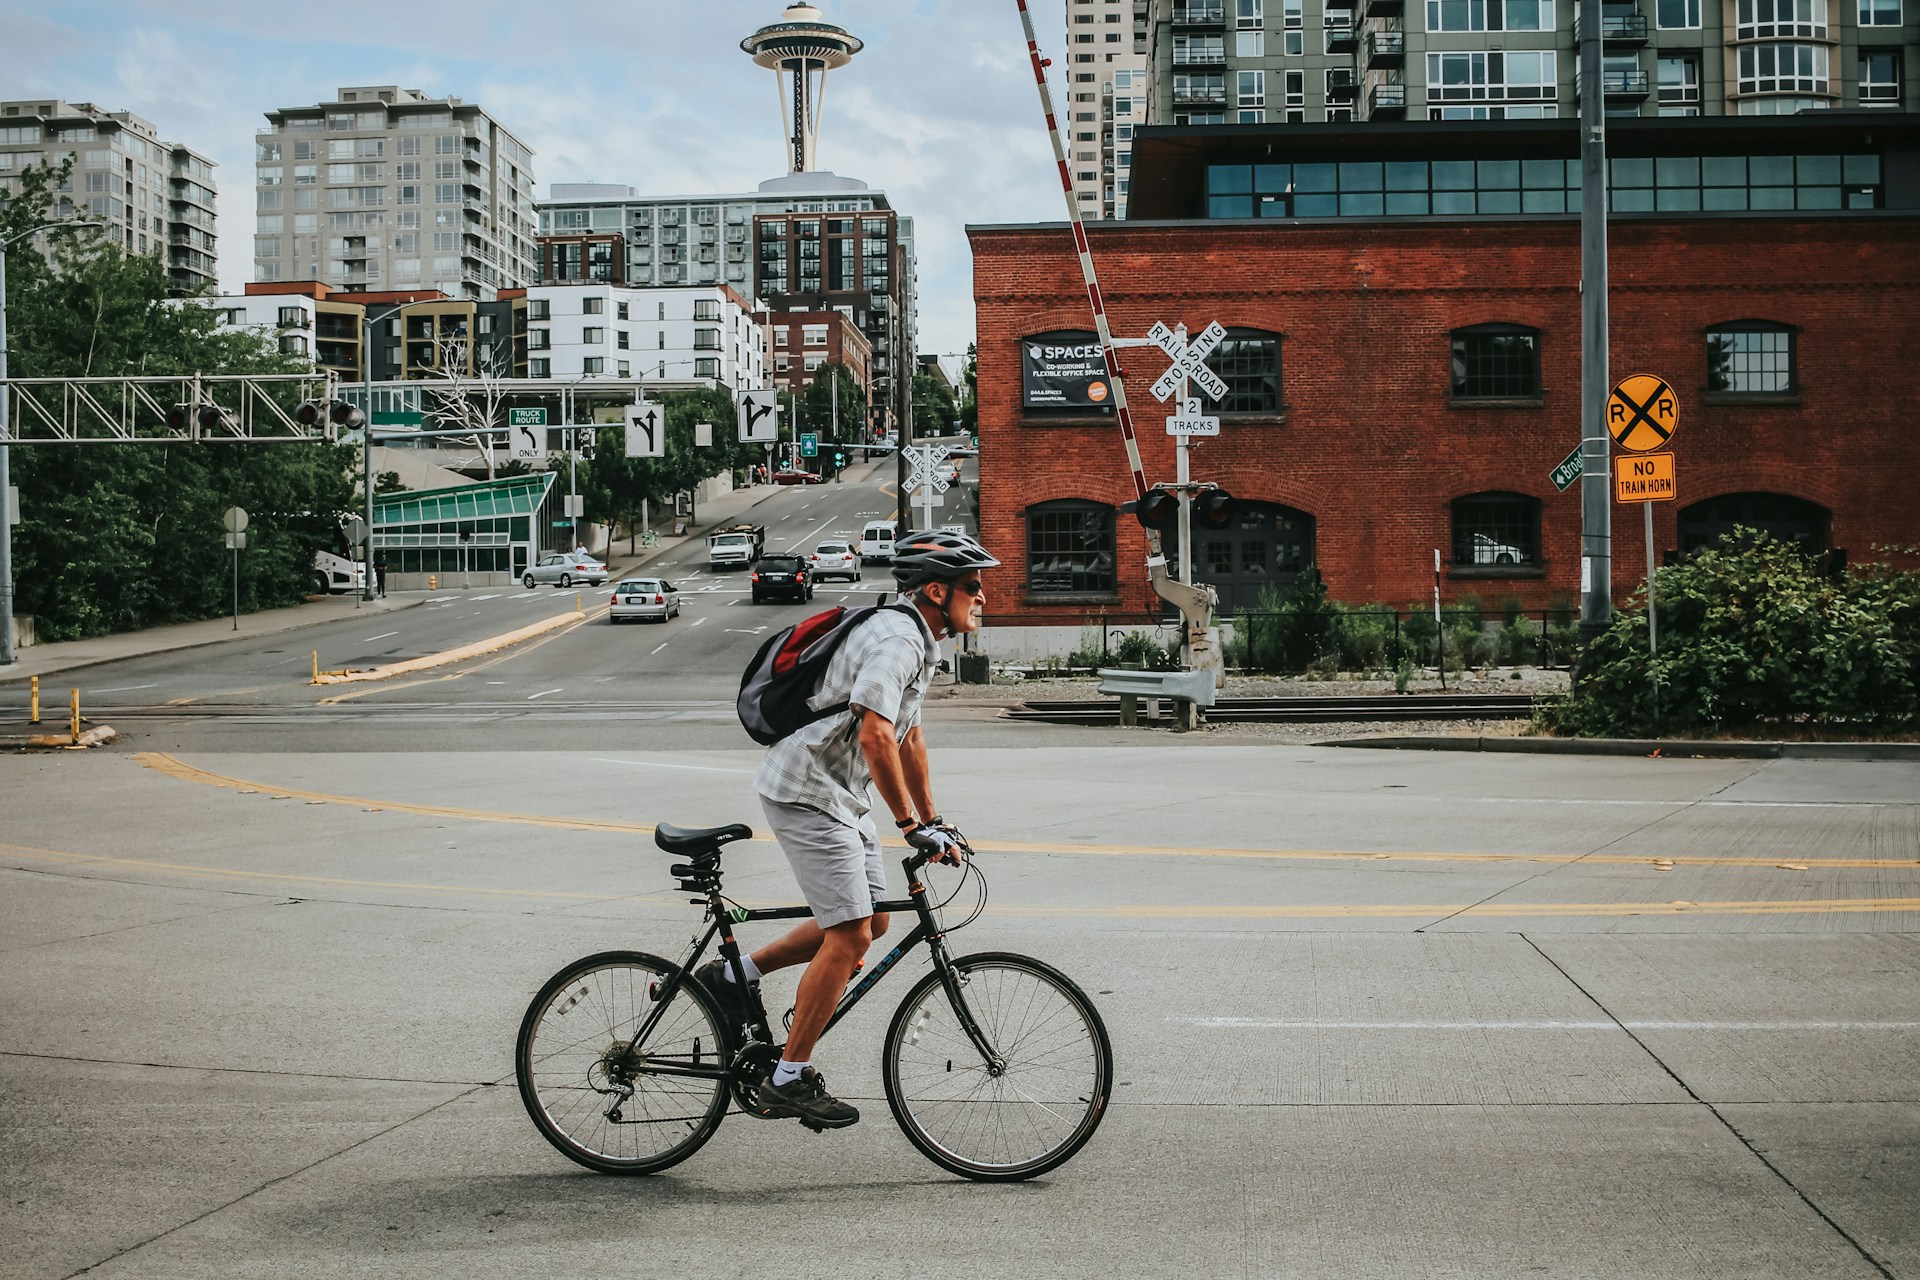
(806,1099)
(735,1008)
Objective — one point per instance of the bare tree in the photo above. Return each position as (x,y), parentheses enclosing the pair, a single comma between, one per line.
(471,393)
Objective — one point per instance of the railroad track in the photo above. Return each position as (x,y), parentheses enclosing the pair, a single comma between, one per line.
(1388,707)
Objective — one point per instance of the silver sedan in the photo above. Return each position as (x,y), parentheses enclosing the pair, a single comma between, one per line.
(564,569)
(647,598)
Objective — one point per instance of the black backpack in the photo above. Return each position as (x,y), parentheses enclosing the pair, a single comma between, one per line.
(786,672)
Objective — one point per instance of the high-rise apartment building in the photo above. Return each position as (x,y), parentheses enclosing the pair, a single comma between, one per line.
(156,197)
(810,241)
(388,189)
(1312,61)
(1106,99)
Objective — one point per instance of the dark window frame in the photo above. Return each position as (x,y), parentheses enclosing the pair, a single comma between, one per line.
(1072,550)
(1722,379)
(1492,374)
(1251,362)
(1495,533)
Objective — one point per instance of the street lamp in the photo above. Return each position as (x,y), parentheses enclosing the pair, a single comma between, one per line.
(6,435)
(366,429)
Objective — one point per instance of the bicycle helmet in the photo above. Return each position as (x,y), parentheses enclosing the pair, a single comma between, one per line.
(934,555)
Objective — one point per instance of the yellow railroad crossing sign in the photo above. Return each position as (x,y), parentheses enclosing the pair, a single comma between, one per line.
(1647,477)
(1642,412)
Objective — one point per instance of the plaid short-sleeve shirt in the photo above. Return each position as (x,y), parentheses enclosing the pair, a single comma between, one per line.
(885,667)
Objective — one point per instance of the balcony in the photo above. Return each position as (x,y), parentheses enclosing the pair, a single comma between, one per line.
(1200,96)
(1340,86)
(1387,101)
(1341,37)
(1384,8)
(1624,86)
(1199,13)
(1386,48)
(1200,56)
(1619,28)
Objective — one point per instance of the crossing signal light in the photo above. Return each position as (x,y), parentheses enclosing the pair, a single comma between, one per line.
(213,418)
(345,414)
(1213,509)
(1158,510)
(313,413)
(180,417)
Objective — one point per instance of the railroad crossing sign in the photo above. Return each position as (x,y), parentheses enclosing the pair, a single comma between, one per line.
(646,431)
(1189,360)
(1192,420)
(528,444)
(1642,413)
(923,465)
(1646,478)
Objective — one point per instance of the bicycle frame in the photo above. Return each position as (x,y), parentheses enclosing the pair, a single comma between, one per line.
(721,919)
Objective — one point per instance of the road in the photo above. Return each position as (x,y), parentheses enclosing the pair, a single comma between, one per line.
(1375,1013)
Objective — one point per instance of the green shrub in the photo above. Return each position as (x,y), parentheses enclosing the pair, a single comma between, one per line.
(1752,635)
(1419,629)
(1364,638)
(1142,648)
(1090,652)
(1519,640)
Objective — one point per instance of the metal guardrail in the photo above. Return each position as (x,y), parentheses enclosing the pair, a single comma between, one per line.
(1388,707)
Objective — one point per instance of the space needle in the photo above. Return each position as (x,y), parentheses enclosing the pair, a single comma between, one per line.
(803,46)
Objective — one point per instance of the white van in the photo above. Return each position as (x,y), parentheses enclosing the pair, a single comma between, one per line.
(876,542)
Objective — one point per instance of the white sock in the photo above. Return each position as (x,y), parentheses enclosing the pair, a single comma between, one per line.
(786,1073)
(747,966)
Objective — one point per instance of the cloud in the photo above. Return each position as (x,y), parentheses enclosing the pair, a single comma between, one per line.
(939,108)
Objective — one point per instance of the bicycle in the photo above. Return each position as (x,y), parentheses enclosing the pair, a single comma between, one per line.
(649,539)
(996,1066)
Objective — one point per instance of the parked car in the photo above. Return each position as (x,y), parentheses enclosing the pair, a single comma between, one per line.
(835,560)
(782,575)
(654,598)
(1488,550)
(876,542)
(565,569)
(790,476)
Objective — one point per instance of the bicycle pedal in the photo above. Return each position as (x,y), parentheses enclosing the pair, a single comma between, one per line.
(817,1128)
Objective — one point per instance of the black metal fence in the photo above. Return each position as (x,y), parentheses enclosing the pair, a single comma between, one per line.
(1285,643)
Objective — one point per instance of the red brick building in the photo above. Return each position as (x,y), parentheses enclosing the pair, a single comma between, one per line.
(804,342)
(1403,358)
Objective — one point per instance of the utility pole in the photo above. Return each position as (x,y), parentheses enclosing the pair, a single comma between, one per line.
(1596,510)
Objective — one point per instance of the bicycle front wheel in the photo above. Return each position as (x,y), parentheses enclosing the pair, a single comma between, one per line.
(1044,1099)
(604,1101)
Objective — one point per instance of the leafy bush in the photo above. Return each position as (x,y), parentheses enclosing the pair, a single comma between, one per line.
(1146,650)
(1519,640)
(1365,637)
(1752,635)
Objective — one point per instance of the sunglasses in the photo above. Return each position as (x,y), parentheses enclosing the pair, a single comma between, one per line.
(973,588)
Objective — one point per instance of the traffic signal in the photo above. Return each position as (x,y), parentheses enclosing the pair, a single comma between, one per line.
(1213,509)
(346,415)
(1158,510)
(180,417)
(213,418)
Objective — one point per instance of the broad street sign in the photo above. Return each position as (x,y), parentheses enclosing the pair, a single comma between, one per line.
(527,434)
(1571,468)
(1642,413)
(1646,478)
(1192,421)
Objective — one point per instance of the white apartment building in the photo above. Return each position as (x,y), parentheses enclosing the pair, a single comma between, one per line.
(706,332)
(388,189)
(1106,100)
(156,197)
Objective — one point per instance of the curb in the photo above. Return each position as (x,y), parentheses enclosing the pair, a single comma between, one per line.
(7,675)
(465,651)
(1676,748)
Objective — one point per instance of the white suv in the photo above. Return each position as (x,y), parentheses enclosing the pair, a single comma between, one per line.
(835,560)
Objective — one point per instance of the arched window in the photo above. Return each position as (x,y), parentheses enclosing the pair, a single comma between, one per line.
(1070,549)
(1792,520)
(1496,362)
(1751,357)
(1248,361)
(1496,531)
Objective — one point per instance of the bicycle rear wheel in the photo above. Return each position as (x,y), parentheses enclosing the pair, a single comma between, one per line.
(603,1101)
(1044,1103)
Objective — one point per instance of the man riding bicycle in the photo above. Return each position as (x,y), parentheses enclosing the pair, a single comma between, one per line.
(814,790)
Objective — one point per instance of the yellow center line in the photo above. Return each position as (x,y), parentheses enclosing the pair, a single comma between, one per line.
(173,767)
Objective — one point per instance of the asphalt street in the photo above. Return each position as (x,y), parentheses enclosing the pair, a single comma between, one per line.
(1375,1013)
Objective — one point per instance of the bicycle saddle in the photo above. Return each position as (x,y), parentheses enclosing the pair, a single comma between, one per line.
(693,841)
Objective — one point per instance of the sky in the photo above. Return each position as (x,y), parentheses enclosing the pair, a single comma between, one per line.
(939,110)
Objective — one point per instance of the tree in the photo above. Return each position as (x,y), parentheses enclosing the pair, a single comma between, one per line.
(817,407)
(970,392)
(473,397)
(119,536)
(934,411)
(614,485)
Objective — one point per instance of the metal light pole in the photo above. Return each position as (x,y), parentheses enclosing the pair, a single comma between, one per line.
(6,435)
(366,430)
(1596,500)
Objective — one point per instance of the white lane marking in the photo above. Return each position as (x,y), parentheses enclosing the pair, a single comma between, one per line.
(127,688)
(695,768)
(441,599)
(382,636)
(1540,1024)
(495,596)
(744,631)
(1683,804)
(543,693)
(657,648)
(697,621)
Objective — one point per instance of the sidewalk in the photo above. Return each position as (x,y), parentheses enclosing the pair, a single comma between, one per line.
(72,655)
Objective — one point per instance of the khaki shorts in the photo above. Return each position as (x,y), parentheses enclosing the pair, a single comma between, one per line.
(839,867)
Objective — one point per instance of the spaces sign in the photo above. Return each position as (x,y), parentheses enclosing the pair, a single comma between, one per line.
(1063,370)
